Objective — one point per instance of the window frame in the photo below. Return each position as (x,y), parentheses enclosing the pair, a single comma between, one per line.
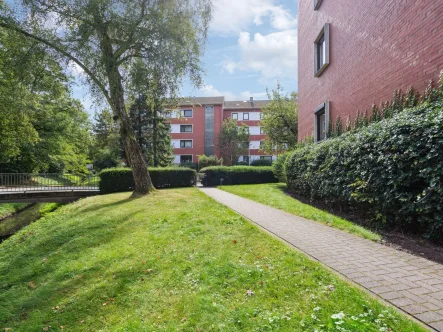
(266,158)
(184,141)
(247,114)
(320,110)
(317,4)
(186,155)
(236,116)
(187,110)
(186,132)
(325,35)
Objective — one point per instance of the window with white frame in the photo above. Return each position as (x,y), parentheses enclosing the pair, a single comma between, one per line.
(186,143)
(321,51)
(321,119)
(234,116)
(186,128)
(245,116)
(186,158)
(187,113)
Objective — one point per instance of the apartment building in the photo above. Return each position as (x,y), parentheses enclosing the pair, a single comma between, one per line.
(196,125)
(353,54)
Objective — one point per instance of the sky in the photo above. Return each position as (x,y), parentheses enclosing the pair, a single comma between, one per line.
(252,44)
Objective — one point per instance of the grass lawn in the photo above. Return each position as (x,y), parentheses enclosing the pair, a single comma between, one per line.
(12,224)
(273,194)
(6,209)
(175,260)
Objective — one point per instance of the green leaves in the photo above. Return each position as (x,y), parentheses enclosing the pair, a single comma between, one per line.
(391,169)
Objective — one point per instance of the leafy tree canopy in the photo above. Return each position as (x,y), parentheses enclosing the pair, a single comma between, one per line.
(117,43)
(280,121)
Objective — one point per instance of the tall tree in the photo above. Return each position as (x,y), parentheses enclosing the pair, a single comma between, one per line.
(233,141)
(106,148)
(110,40)
(151,128)
(42,127)
(280,121)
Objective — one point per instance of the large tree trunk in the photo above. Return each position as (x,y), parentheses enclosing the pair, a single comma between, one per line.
(143,183)
(134,154)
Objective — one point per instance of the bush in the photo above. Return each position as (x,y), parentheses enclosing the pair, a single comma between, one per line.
(237,175)
(261,162)
(114,180)
(393,169)
(279,166)
(189,164)
(242,163)
(205,161)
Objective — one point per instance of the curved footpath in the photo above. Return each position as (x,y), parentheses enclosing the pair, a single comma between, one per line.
(412,284)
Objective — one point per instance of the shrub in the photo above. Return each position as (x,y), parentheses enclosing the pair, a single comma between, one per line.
(114,180)
(242,163)
(261,162)
(392,168)
(237,175)
(205,161)
(279,166)
(188,164)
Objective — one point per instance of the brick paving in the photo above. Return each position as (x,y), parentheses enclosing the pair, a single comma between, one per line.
(411,283)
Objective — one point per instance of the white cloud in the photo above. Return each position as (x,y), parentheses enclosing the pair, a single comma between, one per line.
(273,56)
(211,91)
(233,16)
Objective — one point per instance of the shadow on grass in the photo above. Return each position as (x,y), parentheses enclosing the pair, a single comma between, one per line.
(413,244)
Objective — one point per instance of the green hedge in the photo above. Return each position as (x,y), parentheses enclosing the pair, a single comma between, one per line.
(114,180)
(279,166)
(237,175)
(392,169)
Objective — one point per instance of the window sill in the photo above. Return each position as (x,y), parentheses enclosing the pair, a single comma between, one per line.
(321,70)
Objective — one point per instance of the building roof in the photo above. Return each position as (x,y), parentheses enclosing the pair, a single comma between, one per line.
(202,101)
(246,104)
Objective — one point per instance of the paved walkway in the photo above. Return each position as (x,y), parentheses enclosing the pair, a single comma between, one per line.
(411,283)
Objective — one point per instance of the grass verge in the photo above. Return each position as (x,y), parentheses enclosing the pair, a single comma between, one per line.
(7,209)
(272,194)
(175,260)
(12,224)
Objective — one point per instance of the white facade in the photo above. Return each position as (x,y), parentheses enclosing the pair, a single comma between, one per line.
(252,116)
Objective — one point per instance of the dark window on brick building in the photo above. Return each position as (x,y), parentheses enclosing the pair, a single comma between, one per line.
(186,128)
(234,116)
(321,119)
(245,116)
(321,51)
(186,158)
(186,143)
(187,113)
(317,4)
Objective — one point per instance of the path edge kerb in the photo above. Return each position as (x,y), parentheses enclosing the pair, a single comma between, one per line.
(292,246)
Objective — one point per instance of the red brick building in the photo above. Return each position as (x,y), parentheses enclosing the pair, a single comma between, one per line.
(353,54)
(195,127)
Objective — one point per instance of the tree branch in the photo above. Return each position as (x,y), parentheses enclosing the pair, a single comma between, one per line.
(62,52)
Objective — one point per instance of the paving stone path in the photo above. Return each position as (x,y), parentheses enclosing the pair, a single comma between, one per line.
(411,283)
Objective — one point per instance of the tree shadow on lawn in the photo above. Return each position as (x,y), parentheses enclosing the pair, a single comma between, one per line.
(26,293)
(397,239)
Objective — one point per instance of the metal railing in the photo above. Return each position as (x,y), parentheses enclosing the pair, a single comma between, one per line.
(23,182)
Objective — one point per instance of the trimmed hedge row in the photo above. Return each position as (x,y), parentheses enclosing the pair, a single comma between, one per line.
(237,175)
(114,180)
(393,169)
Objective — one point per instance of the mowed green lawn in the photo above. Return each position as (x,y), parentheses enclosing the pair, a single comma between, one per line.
(175,261)
(273,194)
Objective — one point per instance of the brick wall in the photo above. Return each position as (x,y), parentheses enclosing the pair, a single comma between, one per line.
(376,46)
